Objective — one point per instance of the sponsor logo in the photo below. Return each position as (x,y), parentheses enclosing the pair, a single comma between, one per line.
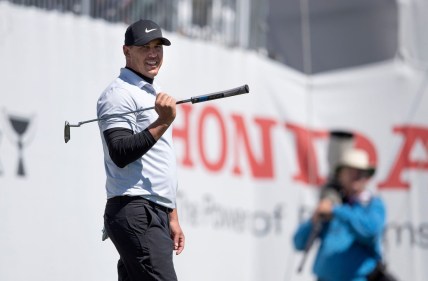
(19,130)
(150,30)
(255,148)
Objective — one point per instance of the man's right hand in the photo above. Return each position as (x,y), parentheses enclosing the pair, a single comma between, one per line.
(165,108)
(323,211)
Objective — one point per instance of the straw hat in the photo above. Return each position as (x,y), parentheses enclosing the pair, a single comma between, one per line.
(357,159)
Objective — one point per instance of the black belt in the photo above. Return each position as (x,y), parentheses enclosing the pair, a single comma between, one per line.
(127,199)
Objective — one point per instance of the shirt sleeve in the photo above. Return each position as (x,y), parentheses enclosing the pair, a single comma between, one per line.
(125,147)
(366,222)
(302,235)
(115,102)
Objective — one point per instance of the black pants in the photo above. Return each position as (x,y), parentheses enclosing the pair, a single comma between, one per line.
(140,231)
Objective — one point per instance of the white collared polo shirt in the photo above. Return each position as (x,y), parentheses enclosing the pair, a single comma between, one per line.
(154,175)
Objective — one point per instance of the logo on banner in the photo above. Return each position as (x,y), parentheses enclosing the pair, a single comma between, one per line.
(19,129)
(249,148)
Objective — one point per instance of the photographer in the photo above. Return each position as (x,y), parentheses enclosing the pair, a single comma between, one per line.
(349,221)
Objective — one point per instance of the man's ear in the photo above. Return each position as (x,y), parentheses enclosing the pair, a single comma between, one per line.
(126,51)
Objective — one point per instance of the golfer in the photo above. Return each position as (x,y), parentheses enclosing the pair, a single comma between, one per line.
(141,214)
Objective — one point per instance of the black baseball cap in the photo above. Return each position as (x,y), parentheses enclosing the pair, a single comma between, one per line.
(142,32)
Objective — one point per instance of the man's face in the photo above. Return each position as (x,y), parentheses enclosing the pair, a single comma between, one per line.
(353,180)
(146,59)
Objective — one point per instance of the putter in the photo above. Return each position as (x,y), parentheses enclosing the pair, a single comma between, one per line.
(203,98)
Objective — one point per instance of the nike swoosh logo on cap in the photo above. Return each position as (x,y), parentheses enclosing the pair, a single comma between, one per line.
(150,30)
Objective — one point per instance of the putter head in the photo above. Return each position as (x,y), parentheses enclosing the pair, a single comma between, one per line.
(66,132)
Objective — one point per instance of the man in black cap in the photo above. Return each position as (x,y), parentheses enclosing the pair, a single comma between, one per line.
(141,215)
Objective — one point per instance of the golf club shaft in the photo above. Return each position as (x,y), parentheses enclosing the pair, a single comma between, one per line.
(203,98)
(218,95)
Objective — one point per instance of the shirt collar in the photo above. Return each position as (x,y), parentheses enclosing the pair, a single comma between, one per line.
(362,198)
(134,79)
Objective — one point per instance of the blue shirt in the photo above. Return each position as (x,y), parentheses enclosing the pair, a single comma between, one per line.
(350,243)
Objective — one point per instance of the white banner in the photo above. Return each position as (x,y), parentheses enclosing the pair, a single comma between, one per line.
(249,166)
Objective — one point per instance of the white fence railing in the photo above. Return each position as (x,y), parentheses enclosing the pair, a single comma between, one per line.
(223,21)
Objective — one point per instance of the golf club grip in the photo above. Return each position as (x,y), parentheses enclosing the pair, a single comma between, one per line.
(223,94)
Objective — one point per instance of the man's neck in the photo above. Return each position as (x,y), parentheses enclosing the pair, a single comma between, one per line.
(145,78)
